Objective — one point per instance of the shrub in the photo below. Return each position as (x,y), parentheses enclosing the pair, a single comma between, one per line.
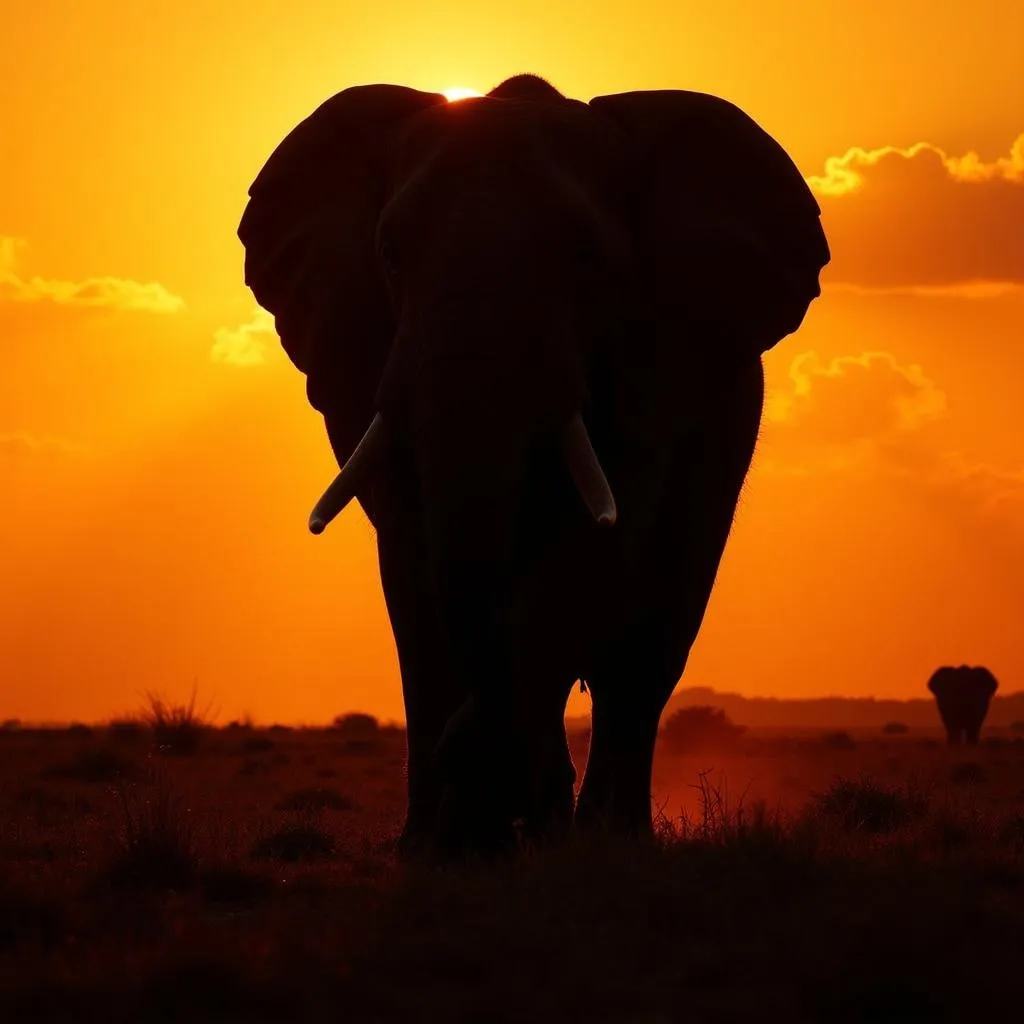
(177,728)
(839,740)
(895,729)
(157,849)
(700,727)
(94,765)
(125,729)
(10,725)
(865,805)
(356,725)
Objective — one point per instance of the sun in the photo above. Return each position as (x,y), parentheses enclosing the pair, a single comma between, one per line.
(458,92)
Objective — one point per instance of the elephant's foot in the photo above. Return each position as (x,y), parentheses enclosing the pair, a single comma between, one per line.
(629,819)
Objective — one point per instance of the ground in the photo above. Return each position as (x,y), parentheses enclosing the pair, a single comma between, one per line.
(247,874)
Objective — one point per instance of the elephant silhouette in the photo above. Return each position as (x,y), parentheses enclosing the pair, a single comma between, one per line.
(962,695)
(534,328)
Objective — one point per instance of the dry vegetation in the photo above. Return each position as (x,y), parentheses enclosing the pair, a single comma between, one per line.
(244,874)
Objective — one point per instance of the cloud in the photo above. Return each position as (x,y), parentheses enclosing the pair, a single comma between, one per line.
(19,447)
(870,417)
(93,292)
(917,221)
(870,396)
(247,344)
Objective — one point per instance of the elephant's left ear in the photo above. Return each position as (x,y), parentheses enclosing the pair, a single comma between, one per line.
(986,681)
(730,227)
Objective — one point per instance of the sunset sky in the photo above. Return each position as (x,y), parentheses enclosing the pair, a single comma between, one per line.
(157,455)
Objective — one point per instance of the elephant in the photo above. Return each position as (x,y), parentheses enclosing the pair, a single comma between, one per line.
(534,327)
(963,695)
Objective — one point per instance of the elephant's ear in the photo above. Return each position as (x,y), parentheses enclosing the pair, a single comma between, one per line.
(733,231)
(308,232)
(942,679)
(986,681)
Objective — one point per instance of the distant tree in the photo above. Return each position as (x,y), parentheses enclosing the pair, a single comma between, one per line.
(700,727)
(356,725)
(895,729)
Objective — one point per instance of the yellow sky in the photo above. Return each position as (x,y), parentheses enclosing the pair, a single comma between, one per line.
(157,457)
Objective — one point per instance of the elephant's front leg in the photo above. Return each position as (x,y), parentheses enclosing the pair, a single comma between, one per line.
(430,690)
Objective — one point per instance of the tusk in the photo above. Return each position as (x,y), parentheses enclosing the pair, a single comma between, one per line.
(356,469)
(587,473)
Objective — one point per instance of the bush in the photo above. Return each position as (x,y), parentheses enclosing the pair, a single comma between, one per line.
(157,849)
(895,729)
(356,725)
(177,728)
(700,727)
(94,765)
(840,740)
(865,805)
(127,729)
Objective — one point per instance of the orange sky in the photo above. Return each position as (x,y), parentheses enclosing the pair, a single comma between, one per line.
(158,459)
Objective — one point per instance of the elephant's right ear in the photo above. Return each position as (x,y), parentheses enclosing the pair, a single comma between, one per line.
(308,232)
(941,680)
(732,231)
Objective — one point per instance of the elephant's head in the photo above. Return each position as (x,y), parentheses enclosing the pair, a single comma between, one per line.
(963,695)
(445,275)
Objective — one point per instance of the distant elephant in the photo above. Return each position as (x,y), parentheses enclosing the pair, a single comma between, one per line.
(534,327)
(963,695)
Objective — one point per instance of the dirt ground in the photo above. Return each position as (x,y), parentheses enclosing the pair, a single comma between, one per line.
(246,874)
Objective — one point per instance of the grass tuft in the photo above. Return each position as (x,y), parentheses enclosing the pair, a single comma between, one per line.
(177,728)
(157,843)
(864,805)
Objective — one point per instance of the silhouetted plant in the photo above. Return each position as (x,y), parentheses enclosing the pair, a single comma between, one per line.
(301,841)
(79,729)
(356,725)
(94,765)
(126,729)
(157,848)
(314,801)
(895,729)
(967,773)
(839,740)
(699,728)
(177,728)
(257,744)
(865,805)
(10,725)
